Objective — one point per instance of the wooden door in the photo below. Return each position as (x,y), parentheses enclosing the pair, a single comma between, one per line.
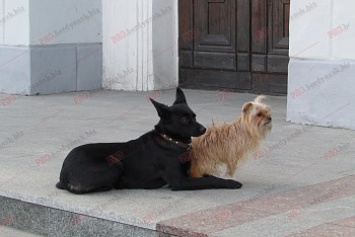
(241,45)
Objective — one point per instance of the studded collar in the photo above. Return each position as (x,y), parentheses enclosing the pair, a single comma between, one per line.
(178,143)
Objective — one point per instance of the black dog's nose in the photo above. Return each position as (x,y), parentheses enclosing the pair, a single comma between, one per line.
(202,129)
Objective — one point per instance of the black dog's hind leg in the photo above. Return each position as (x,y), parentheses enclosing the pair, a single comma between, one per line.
(98,179)
(89,188)
(92,190)
(59,185)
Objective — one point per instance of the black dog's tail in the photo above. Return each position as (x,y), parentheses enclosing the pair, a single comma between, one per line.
(60,185)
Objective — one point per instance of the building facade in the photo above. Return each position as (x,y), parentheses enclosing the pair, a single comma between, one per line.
(300,48)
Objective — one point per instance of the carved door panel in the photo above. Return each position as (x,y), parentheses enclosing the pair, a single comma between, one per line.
(214,44)
(270,42)
(225,43)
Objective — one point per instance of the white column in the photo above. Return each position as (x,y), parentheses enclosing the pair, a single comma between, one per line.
(14,41)
(322,65)
(165,44)
(134,36)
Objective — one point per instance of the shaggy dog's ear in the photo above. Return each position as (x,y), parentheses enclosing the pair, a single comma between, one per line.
(247,107)
(259,99)
(180,97)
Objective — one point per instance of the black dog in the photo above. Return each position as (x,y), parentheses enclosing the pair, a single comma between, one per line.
(155,159)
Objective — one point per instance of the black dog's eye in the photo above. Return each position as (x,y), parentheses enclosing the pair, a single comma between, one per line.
(185,120)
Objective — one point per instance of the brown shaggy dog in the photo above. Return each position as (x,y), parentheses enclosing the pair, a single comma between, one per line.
(229,143)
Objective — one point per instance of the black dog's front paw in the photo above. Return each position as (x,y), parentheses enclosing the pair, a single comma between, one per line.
(232,184)
(224,183)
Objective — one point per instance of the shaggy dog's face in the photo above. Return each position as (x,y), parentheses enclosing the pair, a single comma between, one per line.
(257,116)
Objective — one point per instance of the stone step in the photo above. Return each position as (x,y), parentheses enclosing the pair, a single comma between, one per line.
(10,232)
(28,219)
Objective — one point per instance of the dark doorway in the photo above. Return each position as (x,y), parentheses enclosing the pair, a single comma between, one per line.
(240,45)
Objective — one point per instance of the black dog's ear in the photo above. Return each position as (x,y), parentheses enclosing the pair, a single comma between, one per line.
(180,97)
(163,110)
